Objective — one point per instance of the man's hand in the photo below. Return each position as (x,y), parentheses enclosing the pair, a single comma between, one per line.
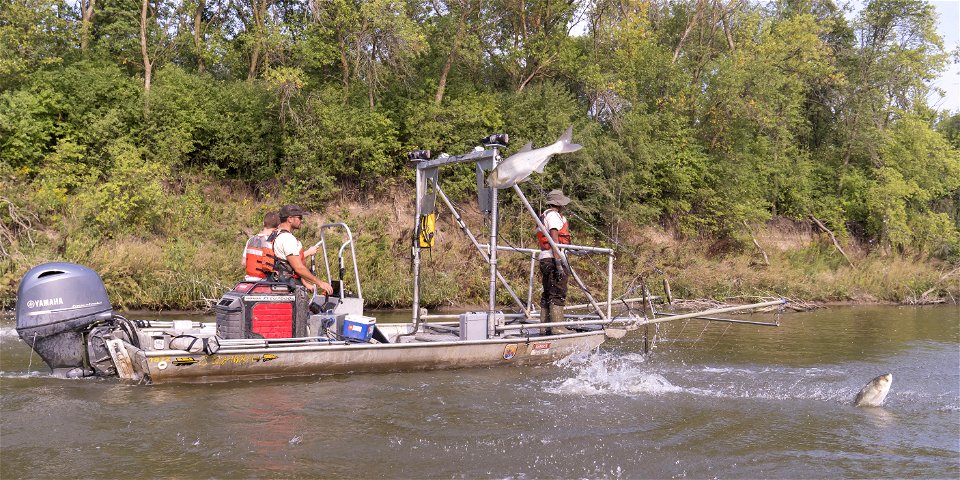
(557,269)
(326,287)
(308,278)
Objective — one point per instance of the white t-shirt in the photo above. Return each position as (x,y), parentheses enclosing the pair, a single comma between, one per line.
(552,220)
(285,245)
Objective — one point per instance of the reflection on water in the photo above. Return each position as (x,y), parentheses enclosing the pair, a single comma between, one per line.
(710,401)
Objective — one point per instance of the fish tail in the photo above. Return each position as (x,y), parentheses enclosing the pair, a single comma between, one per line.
(565,139)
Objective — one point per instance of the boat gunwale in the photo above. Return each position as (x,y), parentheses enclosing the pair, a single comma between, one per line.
(322,346)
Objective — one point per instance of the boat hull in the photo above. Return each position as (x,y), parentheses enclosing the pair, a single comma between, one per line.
(322,358)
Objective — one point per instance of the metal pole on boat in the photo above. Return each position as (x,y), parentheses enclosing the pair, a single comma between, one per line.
(483,253)
(533,269)
(728,320)
(714,311)
(494,212)
(415,246)
(610,286)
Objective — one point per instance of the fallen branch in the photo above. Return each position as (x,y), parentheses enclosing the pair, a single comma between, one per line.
(766,260)
(924,298)
(832,237)
(20,222)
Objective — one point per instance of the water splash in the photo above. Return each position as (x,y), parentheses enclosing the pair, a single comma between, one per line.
(602,373)
(632,375)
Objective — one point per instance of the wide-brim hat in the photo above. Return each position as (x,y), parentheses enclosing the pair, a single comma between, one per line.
(556,197)
(292,210)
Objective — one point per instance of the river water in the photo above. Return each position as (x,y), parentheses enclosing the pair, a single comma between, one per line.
(710,400)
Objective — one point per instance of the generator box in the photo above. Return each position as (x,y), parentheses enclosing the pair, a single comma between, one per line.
(473,325)
(358,328)
(262,310)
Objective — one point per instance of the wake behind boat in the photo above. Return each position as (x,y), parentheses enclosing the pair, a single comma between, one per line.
(269,328)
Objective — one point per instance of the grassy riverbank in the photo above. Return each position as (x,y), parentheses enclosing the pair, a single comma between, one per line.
(196,256)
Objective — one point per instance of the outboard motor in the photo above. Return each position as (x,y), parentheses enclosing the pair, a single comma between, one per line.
(56,304)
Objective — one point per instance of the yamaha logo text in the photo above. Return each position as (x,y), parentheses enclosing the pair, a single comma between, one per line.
(46,302)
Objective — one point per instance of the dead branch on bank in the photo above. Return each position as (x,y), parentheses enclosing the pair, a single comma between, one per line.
(925,297)
(20,222)
(766,260)
(832,237)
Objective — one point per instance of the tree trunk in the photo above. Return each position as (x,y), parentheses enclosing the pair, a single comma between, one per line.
(254,61)
(527,80)
(147,66)
(259,11)
(86,24)
(197,33)
(683,38)
(344,69)
(725,19)
(372,80)
(442,83)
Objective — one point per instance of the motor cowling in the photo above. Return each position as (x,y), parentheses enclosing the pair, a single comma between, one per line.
(56,304)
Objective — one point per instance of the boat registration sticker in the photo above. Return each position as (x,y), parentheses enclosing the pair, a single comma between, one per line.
(510,351)
(540,349)
(181,361)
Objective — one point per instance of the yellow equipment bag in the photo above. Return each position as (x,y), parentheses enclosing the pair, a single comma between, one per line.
(427,230)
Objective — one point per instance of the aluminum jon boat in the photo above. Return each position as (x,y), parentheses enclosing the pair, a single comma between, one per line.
(270,329)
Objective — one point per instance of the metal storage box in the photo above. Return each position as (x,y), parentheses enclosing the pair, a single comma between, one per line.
(473,325)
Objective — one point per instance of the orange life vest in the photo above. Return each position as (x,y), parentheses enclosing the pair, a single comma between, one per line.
(259,255)
(563,234)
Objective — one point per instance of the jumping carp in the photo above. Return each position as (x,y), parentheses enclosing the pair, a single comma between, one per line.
(875,392)
(517,167)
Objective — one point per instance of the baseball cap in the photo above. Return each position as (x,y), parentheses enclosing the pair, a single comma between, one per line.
(292,210)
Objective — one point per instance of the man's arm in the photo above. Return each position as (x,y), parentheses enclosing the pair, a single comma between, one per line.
(298,266)
(555,235)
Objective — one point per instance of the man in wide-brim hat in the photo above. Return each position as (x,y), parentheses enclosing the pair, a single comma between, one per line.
(554,276)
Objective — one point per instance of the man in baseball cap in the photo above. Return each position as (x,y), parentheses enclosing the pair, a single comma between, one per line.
(290,253)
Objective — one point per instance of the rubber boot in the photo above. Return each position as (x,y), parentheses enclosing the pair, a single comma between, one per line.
(556,315)
(544,318)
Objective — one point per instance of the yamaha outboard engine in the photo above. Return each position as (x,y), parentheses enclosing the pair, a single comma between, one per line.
(56,304)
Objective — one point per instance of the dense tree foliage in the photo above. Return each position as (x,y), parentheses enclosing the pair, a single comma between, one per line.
(699,114)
